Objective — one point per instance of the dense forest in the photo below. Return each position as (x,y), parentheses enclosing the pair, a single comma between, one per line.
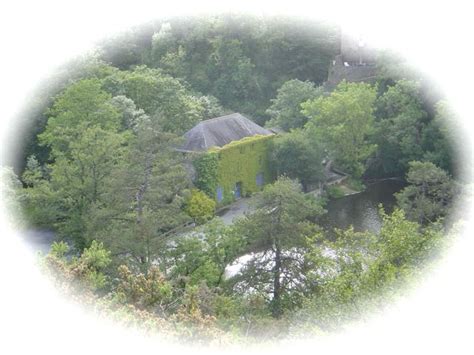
(138,240)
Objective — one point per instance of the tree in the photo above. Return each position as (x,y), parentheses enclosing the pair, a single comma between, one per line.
(212,107)
(297,156)
(285,111)
(429,195)
(80,105)
(63,193)
(343,121)
(278,228)
(203,255)
(145,291)
(85,272)
(441,141)
(83,135)
(360,272)
(232,73)
(131,115)
(200,207)
(143,200)
(164,98)
(12,195)
(400,126)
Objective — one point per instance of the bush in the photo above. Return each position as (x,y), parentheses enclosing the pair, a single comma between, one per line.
(200,207)
(355,184)
(335,191)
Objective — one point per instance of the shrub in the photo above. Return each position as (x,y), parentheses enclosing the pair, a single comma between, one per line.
(200,207)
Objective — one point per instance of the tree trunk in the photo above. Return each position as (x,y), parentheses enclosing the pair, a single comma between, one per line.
(276,302)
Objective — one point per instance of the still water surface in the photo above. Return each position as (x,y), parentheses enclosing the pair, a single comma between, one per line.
(361,210)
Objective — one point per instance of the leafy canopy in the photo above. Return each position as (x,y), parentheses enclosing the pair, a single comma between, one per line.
(343,121)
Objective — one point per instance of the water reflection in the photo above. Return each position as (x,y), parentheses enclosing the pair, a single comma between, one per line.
(361,210)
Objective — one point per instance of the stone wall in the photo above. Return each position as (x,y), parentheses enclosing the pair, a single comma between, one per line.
(340,70)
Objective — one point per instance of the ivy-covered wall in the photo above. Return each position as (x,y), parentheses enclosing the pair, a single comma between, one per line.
(237,162)
(206,166)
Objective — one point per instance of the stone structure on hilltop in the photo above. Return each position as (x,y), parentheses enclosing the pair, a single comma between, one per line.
(355,62)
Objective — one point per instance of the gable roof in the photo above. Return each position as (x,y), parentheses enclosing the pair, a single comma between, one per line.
(219,131)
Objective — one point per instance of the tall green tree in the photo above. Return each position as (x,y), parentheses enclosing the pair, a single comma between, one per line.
(441,141)
(144,200)
(79,106)
(164,98)
(299,157)
(429,195)
(84,140)
(232,74)
(343,121)
(285,111)
(278,228)
(203,256)
(401,120)
(64,194)
(360,272)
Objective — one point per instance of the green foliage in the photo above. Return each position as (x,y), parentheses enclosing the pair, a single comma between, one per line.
(12,195)
(241,60)
(297,156)
(441,139)
(203,256)
(80,105)
(231,72)
(354,184)
(34,172)
(143,201)
(107,177)
(96,256)
(206,166)
(132,116)
(85,273)
(200,207)
(285,111)
(343,121)
(403,243)
(334,191)
(162,97)
(61,194)
(212,107)
(145,291)
(430,193)
(360,272)
(278,228)
(59,249)
(241,161)
(400,127)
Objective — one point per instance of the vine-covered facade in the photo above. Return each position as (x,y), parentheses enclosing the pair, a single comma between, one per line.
(243,168)
(236,169)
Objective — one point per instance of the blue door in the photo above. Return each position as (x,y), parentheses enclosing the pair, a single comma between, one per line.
(259,179)
(238,190)
(220,194)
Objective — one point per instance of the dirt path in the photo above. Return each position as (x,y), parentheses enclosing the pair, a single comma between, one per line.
(235,210)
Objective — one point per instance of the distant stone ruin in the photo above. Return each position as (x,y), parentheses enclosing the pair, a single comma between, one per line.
(355,62)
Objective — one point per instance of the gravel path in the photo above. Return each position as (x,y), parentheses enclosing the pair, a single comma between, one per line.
(235,210)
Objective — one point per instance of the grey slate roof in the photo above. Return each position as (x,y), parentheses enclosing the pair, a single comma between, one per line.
(219,131)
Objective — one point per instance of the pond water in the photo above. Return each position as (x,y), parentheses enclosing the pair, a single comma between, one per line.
(361,210)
